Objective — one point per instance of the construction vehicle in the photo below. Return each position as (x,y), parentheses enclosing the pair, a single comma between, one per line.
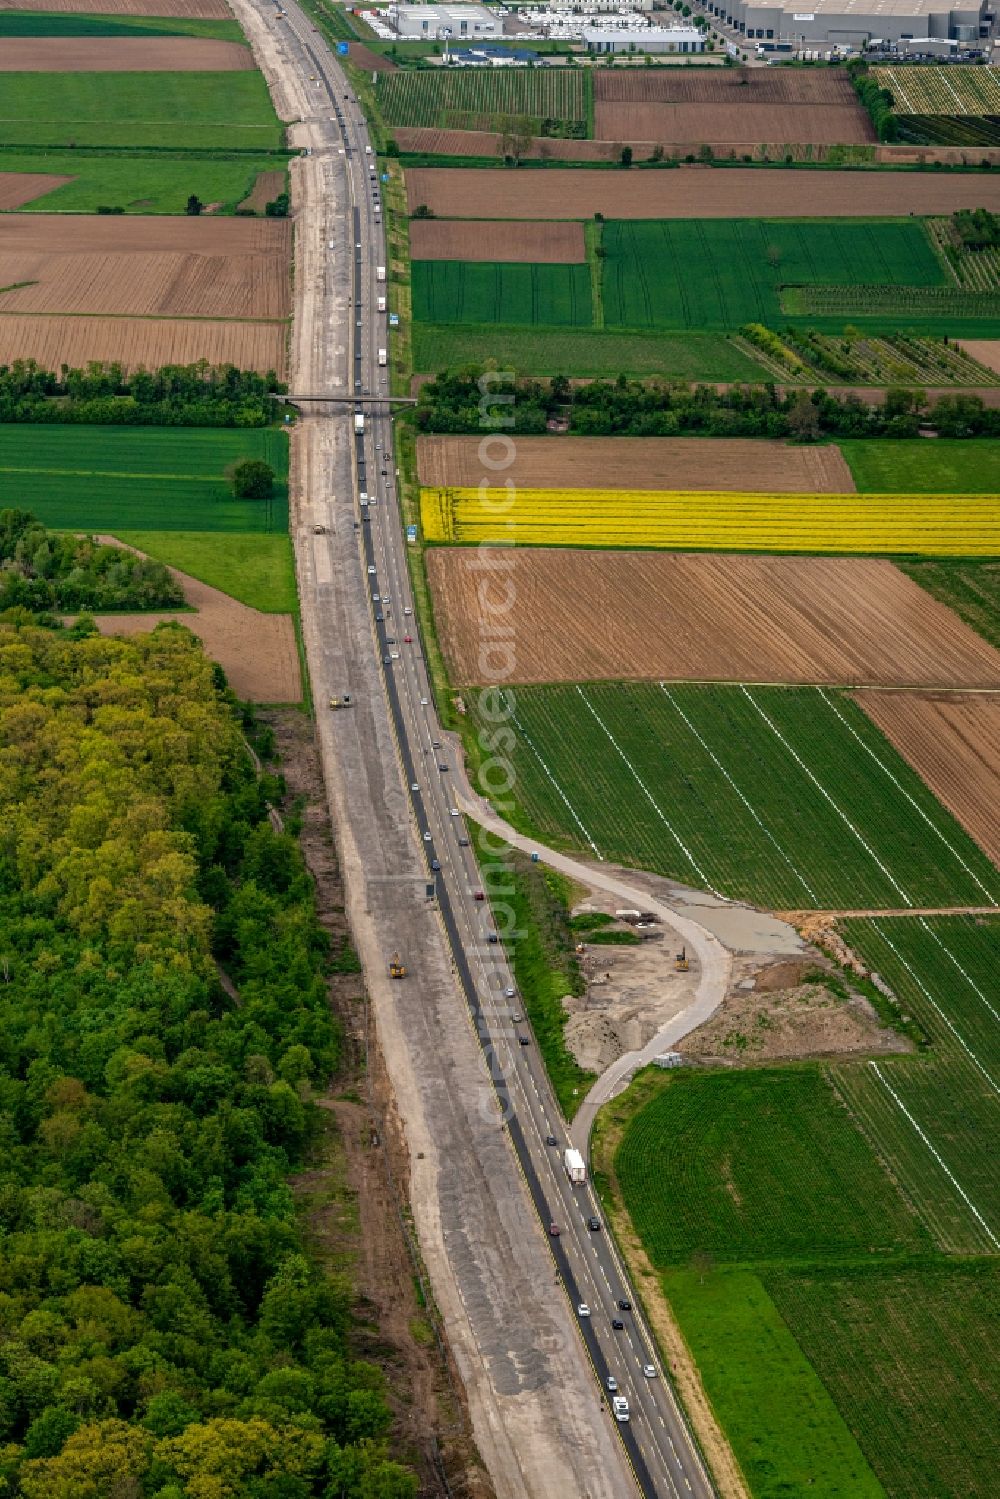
(397,968)
(681,963)
(344,701)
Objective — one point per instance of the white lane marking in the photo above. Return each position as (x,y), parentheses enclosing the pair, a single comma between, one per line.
(827,797)
(903,791)
(649,796)
(569,805)
(949,1174)
(753,813)
(932,1001)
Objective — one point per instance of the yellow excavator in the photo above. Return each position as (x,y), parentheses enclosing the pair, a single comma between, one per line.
(681,961)
(397,968)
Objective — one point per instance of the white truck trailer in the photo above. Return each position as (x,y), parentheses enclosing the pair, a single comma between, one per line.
(381,304)
(380,273)
(382,357)
(359,421)
(575,1168)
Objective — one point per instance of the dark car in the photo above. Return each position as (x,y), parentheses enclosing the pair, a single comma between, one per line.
(554,1230)
(594,1224)
(624,1304)
(435,864)
(551,1140)
(524,1040)
(463,842)
(380,617)
(617,1324)
(442,767)
(386,660)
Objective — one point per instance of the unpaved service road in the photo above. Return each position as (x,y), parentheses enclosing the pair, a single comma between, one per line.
(693,193)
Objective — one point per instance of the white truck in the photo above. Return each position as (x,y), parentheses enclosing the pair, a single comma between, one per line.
(575,1168)
(620,1407)
(380,304)
(382,357)
(380,273)
(359,421)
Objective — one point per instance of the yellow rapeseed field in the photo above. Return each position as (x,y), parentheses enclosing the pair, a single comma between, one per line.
(959,525)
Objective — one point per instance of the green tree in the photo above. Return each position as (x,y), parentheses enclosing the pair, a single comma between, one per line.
(626,156)
(253,479)
(194,205)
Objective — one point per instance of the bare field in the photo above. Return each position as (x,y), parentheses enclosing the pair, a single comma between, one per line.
(954,744)
(450,239)
(266,188)
(17,188)
(643,615)
(692,193)
(984,350)
(372,62)
(256,651)
(122,54)
(421,139)
(729,124)
(143,267)
(206,10)
(743,86)
(709,463)
(143,342)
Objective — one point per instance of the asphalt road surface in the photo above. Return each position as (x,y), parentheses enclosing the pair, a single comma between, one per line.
(659,1448)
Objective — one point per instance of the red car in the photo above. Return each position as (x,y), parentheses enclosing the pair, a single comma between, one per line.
(408,639)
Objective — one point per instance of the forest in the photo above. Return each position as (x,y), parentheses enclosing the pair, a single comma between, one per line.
(162,1330)
(190,395)
(635,408)
(42,570)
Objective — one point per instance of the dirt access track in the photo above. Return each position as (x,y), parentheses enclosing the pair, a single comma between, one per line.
(122,54)
(143,267)
(503,239)
(258,652)
(593,615)
(953,743)
(667,105)
(709,463)
(692,193)
(207,10)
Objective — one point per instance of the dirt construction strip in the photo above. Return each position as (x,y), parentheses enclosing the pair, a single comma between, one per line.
(708,463)
(122,54)
(700,617)
(450,239)
(691,193)
(953,743)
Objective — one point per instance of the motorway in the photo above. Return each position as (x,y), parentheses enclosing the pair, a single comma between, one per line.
(656,1441)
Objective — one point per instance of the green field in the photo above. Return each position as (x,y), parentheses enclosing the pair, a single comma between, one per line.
(476,99)
(910,1354)
(257,569)
(140,478)
(717,273)
(138,183)
(48,23)
(456,291)
(185,111)
(765,795)
(922,466)
(583,352)
(972,589)
(743,1165)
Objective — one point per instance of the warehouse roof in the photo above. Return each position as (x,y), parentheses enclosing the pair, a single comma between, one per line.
(873,8)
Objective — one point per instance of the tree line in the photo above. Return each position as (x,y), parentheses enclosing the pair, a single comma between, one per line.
(162,1330)
(105,394)
(44,570)
(660,408)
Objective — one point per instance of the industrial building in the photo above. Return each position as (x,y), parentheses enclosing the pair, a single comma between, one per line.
(643,39)
(434,23)
(853,23)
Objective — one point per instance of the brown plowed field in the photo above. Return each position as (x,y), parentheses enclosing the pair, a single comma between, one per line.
(709,463)
(372,62)
(207,10)
(180,267)
(727,124)
(708,193)
(984,351)
(122,54)
(646,615)
(266,188)
(21,187)
(53,341)
(456,239)
(954,744)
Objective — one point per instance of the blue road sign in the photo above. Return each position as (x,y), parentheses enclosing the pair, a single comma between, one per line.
(341,49)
